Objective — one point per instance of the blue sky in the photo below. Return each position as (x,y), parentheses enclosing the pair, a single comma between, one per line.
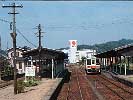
(91,22)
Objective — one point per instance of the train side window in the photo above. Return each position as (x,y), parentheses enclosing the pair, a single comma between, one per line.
(88,61)
(97,61)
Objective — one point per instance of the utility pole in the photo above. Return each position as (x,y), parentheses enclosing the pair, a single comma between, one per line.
(13,35)
(39,31)
(40,47)
(0,42)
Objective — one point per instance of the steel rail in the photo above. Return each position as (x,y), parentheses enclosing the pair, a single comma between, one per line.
(68,90)
(116,85)
(111,89)
(79,87)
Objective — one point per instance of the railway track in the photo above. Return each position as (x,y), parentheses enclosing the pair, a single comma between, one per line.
(110,88)
(94,87)
(7,83)
(74,89)
(77,88)
(119,85)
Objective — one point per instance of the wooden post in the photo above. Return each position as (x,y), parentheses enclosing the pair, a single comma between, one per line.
(104,61)
(52,68)
(116,64)
(125,69)
(120,64)
(125,66)
(0,73)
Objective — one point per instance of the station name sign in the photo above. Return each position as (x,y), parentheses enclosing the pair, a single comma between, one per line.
(29,71)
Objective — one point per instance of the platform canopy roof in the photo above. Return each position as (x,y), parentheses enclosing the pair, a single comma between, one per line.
(45,53)
(126,50)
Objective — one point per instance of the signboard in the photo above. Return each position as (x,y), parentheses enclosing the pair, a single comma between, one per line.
(73,43)
(29,71)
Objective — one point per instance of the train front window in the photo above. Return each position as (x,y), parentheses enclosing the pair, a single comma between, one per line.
(88,61)
(93,61)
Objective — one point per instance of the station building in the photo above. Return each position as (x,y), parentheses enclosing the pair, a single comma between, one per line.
(51,61)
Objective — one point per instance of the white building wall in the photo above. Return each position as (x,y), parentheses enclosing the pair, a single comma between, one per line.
(84,53)
(10,52)
(75,56)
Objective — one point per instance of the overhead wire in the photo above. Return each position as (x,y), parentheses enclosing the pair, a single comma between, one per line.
(5,21)
(83,27)
(18,32)
(5,36)
(87,27)
(25,38)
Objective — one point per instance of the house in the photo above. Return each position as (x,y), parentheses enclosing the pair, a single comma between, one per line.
(20,61)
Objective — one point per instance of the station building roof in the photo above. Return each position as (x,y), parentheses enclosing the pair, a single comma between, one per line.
(126,50)
(45,53)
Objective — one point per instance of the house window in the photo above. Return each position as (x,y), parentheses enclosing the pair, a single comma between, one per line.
(20,65)
(17,54)
(12,54)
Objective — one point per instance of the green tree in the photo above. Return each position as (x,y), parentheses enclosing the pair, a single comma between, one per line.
(83,60)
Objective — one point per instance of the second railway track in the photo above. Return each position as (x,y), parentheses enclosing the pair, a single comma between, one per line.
(110,88)
(93,87)
(7,83)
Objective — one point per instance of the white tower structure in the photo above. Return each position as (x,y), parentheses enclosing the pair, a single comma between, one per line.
(72,51)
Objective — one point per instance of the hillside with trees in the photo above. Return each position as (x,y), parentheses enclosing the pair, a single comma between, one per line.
(106,46)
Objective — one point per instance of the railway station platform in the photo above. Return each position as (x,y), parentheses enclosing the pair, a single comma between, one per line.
(43,91)
(128,79)
(125,79)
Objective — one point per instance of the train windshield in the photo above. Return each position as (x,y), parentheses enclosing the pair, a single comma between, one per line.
(93,61)
(88,61)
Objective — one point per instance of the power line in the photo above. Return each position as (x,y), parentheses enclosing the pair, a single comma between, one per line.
(25,38)
(3,20)
(85,27)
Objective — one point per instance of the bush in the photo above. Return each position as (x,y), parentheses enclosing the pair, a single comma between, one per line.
(20,86)
(30,83)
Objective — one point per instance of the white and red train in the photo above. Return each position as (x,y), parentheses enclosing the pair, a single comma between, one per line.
(92,65)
